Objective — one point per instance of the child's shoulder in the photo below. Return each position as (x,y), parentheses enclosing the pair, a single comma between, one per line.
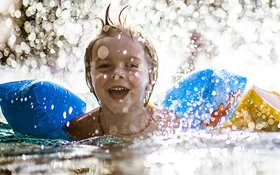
(85,126)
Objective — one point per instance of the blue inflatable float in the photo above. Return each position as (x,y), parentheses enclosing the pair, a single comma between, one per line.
(205,98)
(39,108)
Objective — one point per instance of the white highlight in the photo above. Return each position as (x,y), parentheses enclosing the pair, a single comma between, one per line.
(102,52)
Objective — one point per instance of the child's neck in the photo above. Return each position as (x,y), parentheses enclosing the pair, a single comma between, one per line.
(130,123)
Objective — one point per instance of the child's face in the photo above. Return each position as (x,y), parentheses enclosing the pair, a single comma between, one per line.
(119,73)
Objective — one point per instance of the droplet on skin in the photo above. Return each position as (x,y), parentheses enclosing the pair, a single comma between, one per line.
(131,59)
(121,101)
(102,52)
(96,131)
(136,74)
(116,77)
(105,76)
(124,52)
(125,109)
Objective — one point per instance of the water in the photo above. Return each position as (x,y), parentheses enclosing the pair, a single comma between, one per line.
(241,37)
(192,152)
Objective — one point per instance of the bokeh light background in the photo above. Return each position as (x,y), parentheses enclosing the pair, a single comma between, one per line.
(47,39)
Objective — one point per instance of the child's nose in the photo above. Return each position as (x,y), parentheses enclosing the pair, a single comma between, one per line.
(118,72)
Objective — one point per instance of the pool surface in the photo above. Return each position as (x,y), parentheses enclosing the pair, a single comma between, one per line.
(191,152)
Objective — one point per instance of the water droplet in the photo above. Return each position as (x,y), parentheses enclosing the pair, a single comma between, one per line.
(116,77)
(121,100)
(64,115)
(17,14)
(217,80)
(136,74)
(214,93)
(67,124)
(70,110)
(23,157)
(140,39)
(227,90)
(125,109)
(124,52)
(102,52)
(52,106)
(105,76)
(119,35)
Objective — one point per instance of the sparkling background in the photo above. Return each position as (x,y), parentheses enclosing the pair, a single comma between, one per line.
(47,39)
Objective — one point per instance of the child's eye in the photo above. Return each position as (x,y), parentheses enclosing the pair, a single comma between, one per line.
(104,66)
(132,65)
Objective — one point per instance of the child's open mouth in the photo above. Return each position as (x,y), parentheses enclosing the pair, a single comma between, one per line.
(118,93)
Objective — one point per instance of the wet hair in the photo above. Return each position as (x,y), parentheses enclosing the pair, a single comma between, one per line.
(110,29)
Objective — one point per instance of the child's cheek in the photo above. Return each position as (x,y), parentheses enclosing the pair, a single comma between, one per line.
(137,78)
(133,76)
(101,76)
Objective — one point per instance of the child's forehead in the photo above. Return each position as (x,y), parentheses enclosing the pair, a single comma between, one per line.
(120,43)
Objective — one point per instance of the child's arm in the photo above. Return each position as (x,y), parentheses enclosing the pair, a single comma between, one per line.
(84,126)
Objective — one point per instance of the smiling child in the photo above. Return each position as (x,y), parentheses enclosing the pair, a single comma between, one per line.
(121,70)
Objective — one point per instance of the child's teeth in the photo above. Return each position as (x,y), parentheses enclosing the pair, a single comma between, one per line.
(118,89)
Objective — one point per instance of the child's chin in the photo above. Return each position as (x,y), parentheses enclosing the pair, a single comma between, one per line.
(121,108)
